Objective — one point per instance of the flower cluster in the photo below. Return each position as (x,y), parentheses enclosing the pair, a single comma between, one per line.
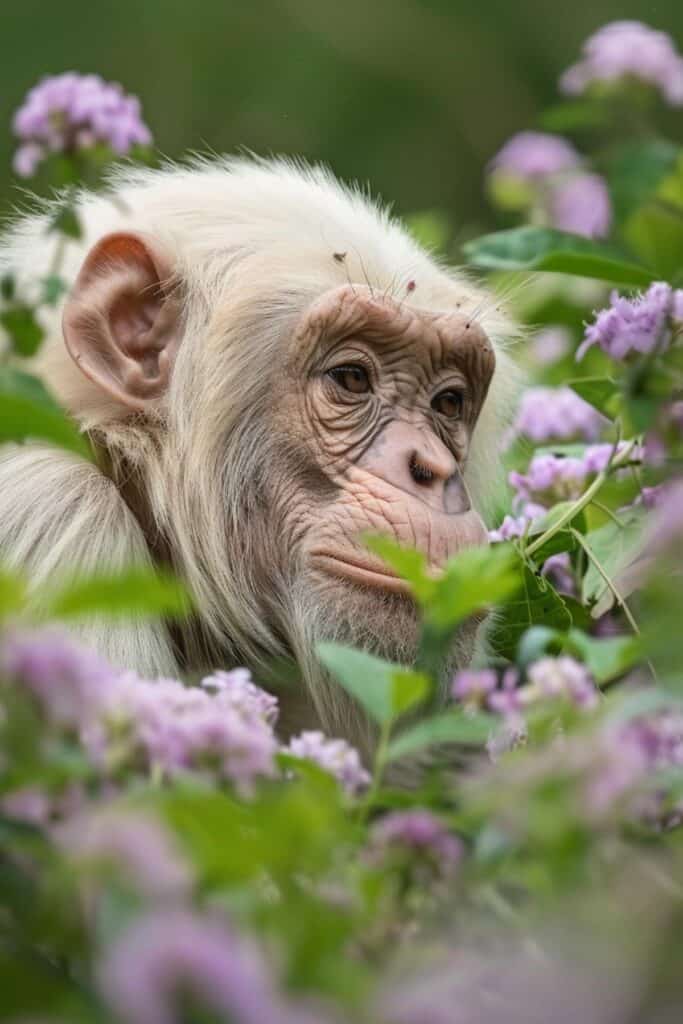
(547,678)
(551,478)
(533,156)
(334,756)
(171,959)
(557,414)
(134,845)
(550,171)
(70,112)
(415,835)
(643,324)
(222,728)
(628,49)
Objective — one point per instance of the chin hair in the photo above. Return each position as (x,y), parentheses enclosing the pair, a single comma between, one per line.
(381,623)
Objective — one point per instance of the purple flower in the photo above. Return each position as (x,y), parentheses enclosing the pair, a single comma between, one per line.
(628,49)
(335,756)
(666,526)
(176,728)
(506,700)
(70,112)
(550,345)
(135,844)
(224,727)
(415,832)
(561,677)
(550,478)
(517,526)
(237,690)
(629,755)
(472,686)
(557,414)
(169,958)
(558,569)
(533,155)
(581,204)
(69,683)
(642,324)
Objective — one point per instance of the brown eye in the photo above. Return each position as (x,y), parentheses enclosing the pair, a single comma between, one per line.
(448,403)
(351,378)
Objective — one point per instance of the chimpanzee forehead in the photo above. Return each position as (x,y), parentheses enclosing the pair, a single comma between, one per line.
(355,311)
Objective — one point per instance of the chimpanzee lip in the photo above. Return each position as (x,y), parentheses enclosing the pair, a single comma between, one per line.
(360,570)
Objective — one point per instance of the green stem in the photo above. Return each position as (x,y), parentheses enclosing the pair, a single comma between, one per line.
(608,512)
(580,539)
(378,770)
(580,503)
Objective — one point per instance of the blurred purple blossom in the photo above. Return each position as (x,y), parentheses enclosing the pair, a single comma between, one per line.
(629,754)
(581,205)
(561,677)
(642,324)
(335,756)
(137,845)
(416,831)
(533,155)
(223,728)
(558,569)
(506,699)
(665,527)
(67,681)
(557,414)
(550,345)
(472,686)
(167,958)
(628,49)
(70,112)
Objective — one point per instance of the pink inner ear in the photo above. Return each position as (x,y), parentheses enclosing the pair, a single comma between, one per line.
(119,325)
(132,316)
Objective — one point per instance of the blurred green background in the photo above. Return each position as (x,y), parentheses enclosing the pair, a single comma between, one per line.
(412,96)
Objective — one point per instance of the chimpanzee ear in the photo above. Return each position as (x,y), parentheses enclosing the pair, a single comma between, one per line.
(121,322)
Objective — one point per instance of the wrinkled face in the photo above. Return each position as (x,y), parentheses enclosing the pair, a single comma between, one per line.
(379,402)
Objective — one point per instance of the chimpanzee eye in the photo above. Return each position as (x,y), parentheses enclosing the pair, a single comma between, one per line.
(448,403)
(351,378)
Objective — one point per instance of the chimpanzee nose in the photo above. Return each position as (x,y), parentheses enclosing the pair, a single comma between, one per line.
(416,461)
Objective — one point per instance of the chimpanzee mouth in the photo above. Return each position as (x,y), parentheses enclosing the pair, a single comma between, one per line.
(361,571)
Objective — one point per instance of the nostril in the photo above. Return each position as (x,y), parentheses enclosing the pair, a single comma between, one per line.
(420,473)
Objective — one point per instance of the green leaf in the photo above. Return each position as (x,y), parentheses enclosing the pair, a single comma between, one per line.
(471,582)
(12,594)
(655,233)
(66,222)
(606,658)
(615,547)
(537,603)
(545,249)
(28,412)
(138,592)
(409,564)
(636,171)
(7,287)
(573,115)
(600,392)
(54,287)
(408,689)
(25,332)
(449,727)
(384,689)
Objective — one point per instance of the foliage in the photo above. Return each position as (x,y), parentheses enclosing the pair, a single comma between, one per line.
(165,857)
